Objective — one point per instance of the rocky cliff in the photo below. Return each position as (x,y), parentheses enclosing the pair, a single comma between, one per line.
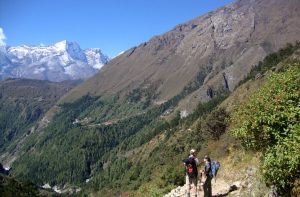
(217,49)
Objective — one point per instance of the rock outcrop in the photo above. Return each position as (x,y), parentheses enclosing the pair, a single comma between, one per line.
(226,42)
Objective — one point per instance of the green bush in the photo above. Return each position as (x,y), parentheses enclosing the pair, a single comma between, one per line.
(270,122)
(9,187)
(215,124)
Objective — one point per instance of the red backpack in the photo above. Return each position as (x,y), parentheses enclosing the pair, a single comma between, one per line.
(191,168)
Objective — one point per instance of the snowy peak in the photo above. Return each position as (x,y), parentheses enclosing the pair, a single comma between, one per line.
(72,48)
(62,45)
(63,60)
(96,58)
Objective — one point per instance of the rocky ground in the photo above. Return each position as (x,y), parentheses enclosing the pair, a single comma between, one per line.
(220,188)
(248,185)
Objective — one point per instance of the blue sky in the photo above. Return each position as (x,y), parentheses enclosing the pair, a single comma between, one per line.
(111,25)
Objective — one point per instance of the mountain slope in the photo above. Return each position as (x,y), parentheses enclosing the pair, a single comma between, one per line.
(221,45)
(153,168)
(23,102)
(62,61)
(272,88)
(11,187)
(120,130)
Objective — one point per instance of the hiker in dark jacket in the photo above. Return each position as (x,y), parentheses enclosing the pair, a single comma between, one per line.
(191,174)
(208,177)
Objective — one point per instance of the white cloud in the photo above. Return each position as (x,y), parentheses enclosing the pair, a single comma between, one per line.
(2,37)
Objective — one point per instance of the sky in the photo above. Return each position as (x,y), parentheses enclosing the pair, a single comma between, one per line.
(111,25)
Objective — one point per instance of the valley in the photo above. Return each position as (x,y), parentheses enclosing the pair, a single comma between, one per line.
(225,83)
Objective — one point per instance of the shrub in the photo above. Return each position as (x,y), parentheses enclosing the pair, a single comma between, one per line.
(215,124)
(270,122)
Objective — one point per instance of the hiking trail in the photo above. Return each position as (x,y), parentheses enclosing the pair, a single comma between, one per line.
(219,188)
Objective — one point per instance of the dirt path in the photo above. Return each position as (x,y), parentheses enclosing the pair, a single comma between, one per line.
(219,188)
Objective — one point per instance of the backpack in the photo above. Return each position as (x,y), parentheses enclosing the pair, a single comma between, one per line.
(191,168)
(215,166)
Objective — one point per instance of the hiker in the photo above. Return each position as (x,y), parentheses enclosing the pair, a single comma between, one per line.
(191,173)
(208,177)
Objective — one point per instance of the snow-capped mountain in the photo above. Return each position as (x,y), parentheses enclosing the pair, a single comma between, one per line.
(62,61)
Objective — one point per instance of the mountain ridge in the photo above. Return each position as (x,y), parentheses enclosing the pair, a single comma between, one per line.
(229,40)
(121,128)
(61,61)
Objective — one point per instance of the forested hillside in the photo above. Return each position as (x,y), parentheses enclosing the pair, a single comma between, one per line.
(225,83)
(142,151)
(10,187)
(23,103)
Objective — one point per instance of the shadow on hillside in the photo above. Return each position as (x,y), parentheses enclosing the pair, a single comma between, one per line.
(231,189)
